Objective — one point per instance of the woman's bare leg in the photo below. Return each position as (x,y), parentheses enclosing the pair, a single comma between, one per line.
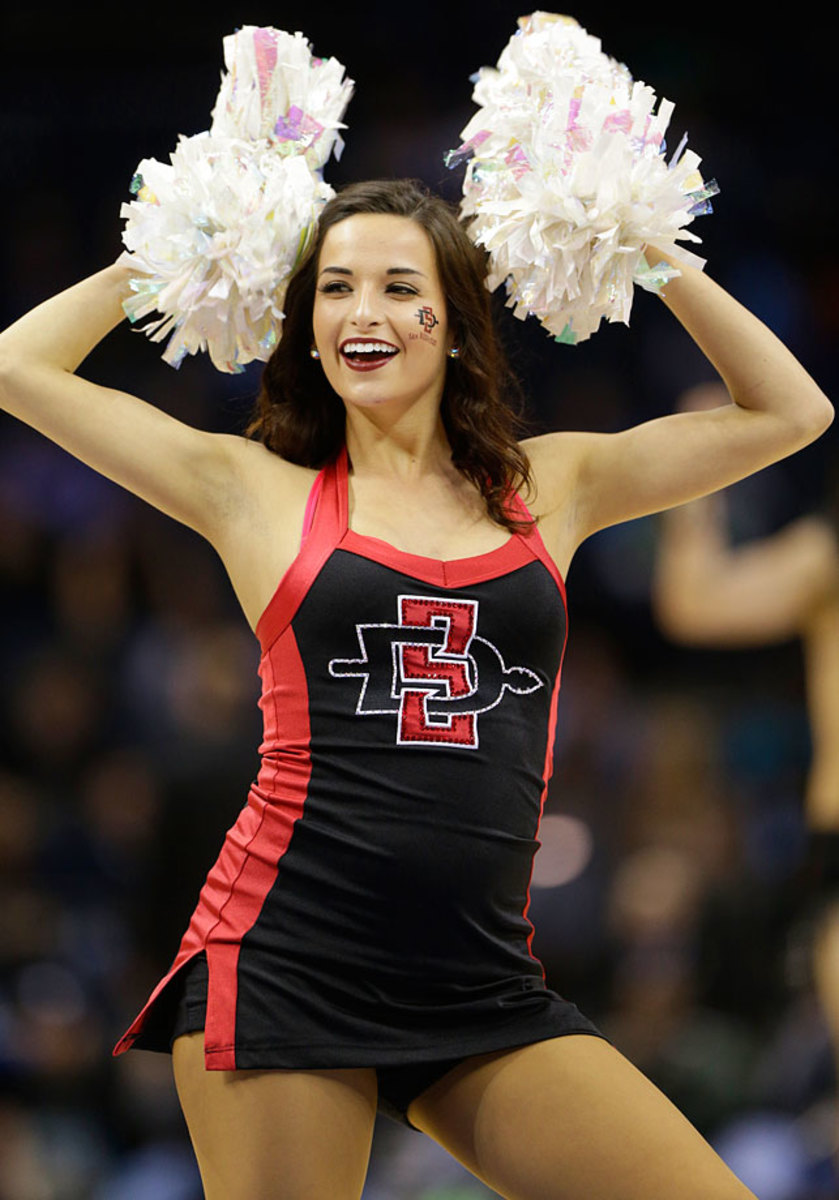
(276,1135)
(570,1119)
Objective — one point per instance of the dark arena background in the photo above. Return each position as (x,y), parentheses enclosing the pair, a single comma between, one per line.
(664,896)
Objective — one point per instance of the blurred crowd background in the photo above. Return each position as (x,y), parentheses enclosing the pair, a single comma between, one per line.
(665,896)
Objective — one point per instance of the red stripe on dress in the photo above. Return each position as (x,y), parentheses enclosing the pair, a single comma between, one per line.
(287,763)
(247,867)
(547,773)
(534,539)
(320,537)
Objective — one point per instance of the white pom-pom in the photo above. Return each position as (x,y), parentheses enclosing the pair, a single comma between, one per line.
(275,89)
(567,181)
(215,234)
(215,237)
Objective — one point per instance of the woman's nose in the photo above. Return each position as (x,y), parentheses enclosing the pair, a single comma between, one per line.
(366,309)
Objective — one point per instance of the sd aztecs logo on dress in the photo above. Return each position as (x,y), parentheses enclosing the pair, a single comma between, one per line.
(433,670)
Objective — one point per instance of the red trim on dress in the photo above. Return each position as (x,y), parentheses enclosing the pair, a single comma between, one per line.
(535,539)
(319,540)
(236,887)
(518,550)
(546,775)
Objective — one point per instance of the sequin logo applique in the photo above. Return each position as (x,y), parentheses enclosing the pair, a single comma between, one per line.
(433,670)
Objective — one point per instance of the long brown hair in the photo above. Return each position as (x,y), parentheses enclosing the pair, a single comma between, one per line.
(300,417)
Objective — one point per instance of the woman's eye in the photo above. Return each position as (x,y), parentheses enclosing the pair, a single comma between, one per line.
(340,287)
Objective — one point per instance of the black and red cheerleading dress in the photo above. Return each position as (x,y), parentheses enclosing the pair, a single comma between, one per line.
(369,906)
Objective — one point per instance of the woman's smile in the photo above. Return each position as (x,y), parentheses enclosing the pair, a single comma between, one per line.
(367,354)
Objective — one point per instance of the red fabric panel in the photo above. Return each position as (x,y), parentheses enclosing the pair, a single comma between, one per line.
(247,866)
(319,542)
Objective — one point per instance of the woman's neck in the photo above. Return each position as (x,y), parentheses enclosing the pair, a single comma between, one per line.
(402,449)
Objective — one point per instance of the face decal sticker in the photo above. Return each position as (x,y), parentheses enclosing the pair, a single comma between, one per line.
(427,319)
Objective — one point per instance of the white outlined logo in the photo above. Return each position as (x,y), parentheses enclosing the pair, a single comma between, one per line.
(433,670)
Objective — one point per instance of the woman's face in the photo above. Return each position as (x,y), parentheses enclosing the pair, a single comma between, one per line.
(379,317)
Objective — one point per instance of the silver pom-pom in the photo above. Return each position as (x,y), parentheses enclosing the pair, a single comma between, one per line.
(276,90)
(567,182)
(215,234)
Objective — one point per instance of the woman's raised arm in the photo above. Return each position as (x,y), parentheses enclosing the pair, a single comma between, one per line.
(189,474)
(777,409)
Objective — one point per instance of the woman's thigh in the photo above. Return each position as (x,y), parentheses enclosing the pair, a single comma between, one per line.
(276,1135)
(570,1119)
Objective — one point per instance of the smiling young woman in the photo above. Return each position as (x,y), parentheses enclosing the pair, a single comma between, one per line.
(363,938)
(300,414)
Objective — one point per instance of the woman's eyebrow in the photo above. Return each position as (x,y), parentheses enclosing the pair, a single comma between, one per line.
(390,271)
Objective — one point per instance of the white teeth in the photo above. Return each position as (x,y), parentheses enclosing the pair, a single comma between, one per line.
(368,348)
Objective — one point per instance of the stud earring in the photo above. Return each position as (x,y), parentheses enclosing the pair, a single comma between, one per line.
(454,352)
(314,352)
